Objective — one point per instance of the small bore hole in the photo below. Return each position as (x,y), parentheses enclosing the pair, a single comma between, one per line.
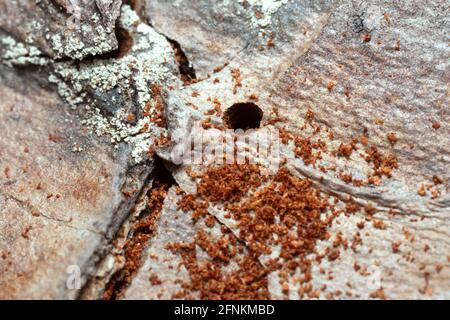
(243,116)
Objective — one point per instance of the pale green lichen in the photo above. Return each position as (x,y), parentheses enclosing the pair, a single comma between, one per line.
(18,53)
(150,61)
(119,131)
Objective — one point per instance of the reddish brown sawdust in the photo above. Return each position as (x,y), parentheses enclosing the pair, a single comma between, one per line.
(198,208)
(330,85)
(366,37)
(26,231)
(346,177)
(229,183)
(436,125)
(258,14)
(156,115)
(437,180)
(217,110)
(270,42)
(378,294)
(392,138)
(304,148)
(383,165)
(396,246)
(311,151)
(209,278)
(296,203)
(142,230)
(346,149)
(162,140)
(290,199)
(155,280)
(220,68)
(237,79)
(421,191)
(130,117)
(378,224)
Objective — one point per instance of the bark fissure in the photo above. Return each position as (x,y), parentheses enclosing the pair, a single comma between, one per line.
(140,234)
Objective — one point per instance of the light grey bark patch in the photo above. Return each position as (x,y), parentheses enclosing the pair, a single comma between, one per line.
(241,33)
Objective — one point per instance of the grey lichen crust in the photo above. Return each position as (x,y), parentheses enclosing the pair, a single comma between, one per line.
(112,89)
(17,53)
(116,91)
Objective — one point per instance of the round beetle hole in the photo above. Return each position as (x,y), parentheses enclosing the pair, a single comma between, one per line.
(243,116)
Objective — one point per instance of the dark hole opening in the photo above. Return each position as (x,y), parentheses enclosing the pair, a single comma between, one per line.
(246,115)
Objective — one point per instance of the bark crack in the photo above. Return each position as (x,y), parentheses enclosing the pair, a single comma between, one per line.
(131,250)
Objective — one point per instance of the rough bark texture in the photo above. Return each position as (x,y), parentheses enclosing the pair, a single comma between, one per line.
(62,28)
(64,194)
(357,89)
